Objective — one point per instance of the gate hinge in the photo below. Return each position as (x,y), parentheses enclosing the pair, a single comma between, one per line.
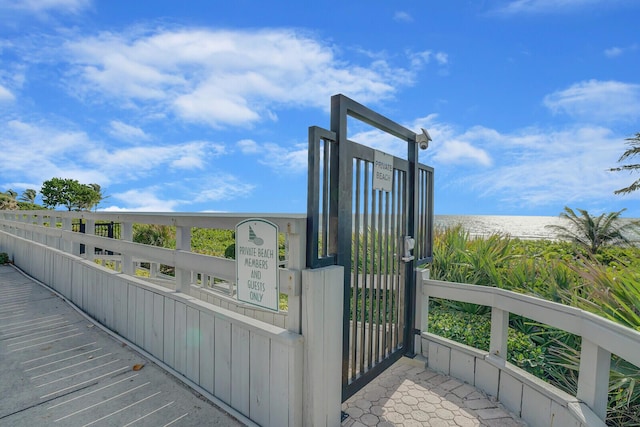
(417,331)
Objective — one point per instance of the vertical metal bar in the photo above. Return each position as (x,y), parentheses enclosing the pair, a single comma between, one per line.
(365,264)
(402,221)
(334,191)
(379,258)
(431,213)
(412,208)
(325,198)
(385,309)
(426,214)
(396,261)
(371,272)
(312,198)
(355,284)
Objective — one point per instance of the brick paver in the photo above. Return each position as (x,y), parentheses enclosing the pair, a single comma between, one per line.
(409,394)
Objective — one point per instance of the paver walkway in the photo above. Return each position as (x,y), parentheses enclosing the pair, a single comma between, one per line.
(408,394)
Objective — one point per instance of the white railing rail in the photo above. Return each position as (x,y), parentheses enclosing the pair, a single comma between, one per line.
(600,337)
(54,228)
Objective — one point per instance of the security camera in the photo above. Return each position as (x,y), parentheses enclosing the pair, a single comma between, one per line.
(423,139)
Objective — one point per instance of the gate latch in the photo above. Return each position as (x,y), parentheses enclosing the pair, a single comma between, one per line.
(409,243)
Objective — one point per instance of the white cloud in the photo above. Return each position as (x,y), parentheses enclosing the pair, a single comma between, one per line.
(135,162)
(401,16)
(441,58)
(456,151)
(282,159)
(221,187)
(125,132)
(419,59)
(596,100)
(6,95)
(616,51)
(224,77)
(39,6)
(248,146)
(39,152)
(547,6)
(195,154)
(538,168)
(204,188)
(145,200)
(613,52)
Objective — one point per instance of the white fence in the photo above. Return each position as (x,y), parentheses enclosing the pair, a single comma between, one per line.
(241,354)
(195,273)
(535,401)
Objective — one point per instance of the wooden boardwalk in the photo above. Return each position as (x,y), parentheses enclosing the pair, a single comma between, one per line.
(58,368)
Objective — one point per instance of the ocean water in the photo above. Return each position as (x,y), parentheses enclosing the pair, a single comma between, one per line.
(522,227)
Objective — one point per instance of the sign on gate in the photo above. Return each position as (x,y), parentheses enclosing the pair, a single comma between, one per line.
(382,171)
(257,263)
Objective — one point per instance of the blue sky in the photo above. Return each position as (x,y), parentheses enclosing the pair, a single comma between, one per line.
(204,106)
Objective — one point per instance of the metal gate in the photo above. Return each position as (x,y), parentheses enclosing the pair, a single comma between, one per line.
(379,233)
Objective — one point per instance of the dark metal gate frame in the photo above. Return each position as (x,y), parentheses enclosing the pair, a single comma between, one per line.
(330,228)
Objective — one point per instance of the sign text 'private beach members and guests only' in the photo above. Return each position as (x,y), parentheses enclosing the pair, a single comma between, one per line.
(257,263)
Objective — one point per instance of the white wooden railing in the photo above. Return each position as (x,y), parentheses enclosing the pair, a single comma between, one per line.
(600,339)
(194,273)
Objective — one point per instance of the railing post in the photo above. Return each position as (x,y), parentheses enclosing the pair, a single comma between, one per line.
(68,245)
(296,262)
(499,332)
(42,238)
(422,308)
(593,378)
(90,250)
(183,243)
(53,222)
(126,234)
(24,233)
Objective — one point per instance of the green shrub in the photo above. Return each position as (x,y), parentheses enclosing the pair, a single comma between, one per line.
(475,330)
(4,258)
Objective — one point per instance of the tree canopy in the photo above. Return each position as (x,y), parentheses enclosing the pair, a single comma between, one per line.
(70,193)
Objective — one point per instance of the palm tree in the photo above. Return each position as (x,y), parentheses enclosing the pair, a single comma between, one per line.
(632,151)
(592,232)
(29,195)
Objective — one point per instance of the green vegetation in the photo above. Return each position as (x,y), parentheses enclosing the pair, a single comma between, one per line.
(155,235)
(55,192)
(9,200)
(593,232)
(606,283)
(4,258)
(70,193)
